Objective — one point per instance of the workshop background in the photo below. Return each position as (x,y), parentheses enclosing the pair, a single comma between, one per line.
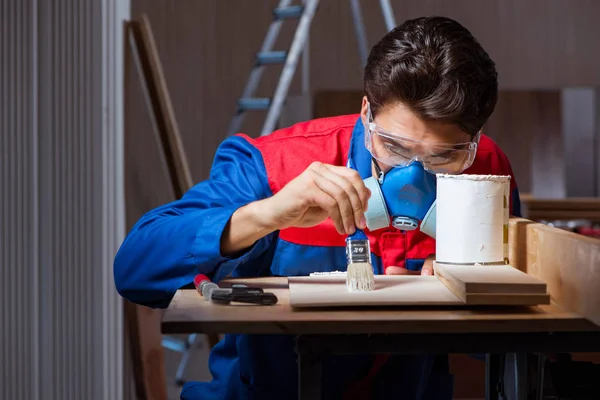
(81,160)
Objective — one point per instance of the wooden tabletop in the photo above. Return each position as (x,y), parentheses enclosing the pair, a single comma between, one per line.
(190,313)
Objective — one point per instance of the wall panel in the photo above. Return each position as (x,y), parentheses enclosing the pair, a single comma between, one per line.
(207,49)
(19,314)
(62,198)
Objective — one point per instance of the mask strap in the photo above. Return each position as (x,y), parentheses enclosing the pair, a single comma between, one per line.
(380,173)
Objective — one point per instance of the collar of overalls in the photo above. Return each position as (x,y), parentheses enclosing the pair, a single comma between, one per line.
(359,157)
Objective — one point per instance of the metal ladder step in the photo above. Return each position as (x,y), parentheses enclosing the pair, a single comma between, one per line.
(255,103)
(175,344)
(289,59)
(271,57)
(289,12)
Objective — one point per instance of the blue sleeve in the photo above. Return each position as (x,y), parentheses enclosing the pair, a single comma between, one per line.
(169,245)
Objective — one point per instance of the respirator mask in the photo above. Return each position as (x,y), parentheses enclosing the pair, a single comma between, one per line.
(403,195)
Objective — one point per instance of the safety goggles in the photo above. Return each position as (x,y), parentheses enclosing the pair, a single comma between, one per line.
(397,151)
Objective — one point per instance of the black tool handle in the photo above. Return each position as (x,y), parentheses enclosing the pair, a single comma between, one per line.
(245,289)
(265,299)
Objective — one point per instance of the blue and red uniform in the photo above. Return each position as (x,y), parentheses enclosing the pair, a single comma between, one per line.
(174,242)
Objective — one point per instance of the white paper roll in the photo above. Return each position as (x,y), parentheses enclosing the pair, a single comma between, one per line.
(472,219)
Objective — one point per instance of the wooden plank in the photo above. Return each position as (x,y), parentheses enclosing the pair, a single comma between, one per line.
(162,113)
(572,203)
(189,312)
(568,262)
(561,209)
(550,215)
(145,341)
(331,291)
(165,123)
(504,286)
(490,279)
(144,323)
(161,108)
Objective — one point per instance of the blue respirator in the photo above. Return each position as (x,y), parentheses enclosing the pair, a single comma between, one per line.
(404,197)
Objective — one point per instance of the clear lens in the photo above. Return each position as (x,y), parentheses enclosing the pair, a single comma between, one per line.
(397,151)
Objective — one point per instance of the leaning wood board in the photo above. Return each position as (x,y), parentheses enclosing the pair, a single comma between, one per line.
(331,291)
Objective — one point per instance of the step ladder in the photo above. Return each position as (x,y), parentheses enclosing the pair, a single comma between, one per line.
(266,56)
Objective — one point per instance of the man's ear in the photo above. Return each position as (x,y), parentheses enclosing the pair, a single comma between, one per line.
(363,110)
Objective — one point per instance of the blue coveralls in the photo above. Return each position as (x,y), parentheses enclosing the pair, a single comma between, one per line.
(174,242)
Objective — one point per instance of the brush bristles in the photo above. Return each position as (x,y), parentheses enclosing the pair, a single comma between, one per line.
(360,277)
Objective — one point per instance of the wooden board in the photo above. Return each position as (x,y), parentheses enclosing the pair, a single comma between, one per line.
(561,209)
(520,299)
(489,285)
(190,313)
(568,262)
(145,339)
(490,279)
(161,108)
(453,284)
(331,291)
(572,203)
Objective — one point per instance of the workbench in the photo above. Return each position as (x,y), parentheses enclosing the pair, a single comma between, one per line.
(571,323)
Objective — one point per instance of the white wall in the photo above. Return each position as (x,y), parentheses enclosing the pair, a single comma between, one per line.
(61,82)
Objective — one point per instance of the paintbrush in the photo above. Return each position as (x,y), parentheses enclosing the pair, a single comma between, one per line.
(359,277)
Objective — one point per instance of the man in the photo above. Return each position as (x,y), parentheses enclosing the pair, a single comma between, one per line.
(283,205)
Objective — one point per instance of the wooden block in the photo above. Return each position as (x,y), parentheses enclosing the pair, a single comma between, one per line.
(492,285)
(514,299)
(502,279)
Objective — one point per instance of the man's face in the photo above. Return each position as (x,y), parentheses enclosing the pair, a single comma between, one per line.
(400,135)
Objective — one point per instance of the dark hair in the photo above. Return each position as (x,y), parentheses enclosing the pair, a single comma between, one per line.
(435,67)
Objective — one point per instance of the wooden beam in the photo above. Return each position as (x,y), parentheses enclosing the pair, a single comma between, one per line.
(569,263)
(157,96)
(145,323)
(561,209)
(574,203)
